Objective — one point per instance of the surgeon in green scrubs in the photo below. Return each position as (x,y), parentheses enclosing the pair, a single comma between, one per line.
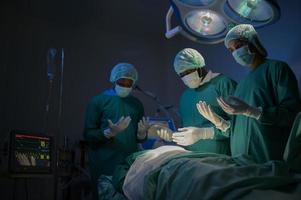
(198,133)
(265,102)
(114,123)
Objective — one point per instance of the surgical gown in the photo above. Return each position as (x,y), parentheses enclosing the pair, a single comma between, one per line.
(105,154)
(272,86)
(208,92)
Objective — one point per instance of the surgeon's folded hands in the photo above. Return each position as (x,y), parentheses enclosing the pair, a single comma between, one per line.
(118,127)
(236,106)
(190,135)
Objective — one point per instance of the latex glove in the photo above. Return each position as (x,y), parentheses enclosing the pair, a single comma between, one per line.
(143,127)
(206,111)
(118,127)
(165,134)
(190,135)
(236,106)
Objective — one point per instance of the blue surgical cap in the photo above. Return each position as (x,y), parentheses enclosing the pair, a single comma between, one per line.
(188,59)
(245,32)
(124,70)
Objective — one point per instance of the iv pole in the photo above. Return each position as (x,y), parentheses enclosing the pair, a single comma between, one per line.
(59,122)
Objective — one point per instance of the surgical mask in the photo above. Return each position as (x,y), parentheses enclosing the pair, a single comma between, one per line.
(243,56)
(192,80)
(122,91)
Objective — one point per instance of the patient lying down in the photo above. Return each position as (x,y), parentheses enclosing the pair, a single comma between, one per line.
(171,172)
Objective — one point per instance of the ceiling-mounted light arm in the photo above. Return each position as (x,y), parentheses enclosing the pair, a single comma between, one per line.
(208,21)
(169,31)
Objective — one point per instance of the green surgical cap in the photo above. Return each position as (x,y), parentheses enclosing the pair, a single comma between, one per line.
(188,59)
(124,70)
(245,32)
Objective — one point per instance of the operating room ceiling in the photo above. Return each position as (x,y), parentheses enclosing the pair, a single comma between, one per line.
(130,17)
(139,17)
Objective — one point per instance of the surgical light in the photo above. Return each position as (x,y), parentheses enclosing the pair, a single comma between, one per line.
(256,12)
(205,22)
(197,2)
(208,21)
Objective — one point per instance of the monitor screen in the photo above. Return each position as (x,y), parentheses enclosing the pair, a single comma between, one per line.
(30,153)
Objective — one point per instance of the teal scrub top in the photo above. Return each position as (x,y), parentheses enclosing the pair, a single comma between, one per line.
(272,86)
(208,92)
(105,154)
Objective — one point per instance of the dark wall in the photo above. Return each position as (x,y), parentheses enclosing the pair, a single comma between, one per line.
(96,36)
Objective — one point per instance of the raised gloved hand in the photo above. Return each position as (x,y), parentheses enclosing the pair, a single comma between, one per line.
(143,127)
(236,106)
(206,111)
(165,134)
(190,135)
(118,127)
